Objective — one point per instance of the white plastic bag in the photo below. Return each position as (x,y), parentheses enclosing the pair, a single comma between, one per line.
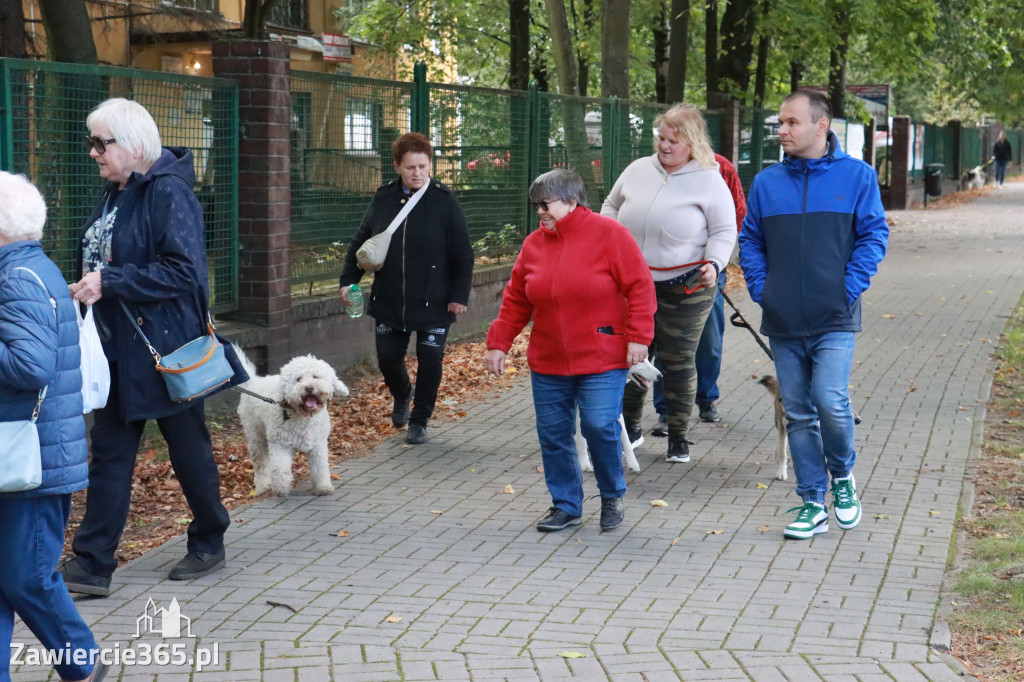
(95,370)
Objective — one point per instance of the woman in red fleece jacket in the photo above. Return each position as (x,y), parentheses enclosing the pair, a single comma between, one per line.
(585,284)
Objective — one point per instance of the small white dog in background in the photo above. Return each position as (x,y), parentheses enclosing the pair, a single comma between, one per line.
(974,178)
(643,374)
(297,422)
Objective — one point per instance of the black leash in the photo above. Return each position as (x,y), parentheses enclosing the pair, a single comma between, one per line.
(255,395)
(736,320)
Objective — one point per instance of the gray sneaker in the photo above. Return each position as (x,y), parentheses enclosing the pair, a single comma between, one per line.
(661,428)
(708,412)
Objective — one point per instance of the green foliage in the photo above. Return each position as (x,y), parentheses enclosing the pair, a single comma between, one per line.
(508,239)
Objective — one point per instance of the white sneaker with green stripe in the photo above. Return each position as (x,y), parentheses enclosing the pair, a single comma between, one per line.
(846,504)
(811,520)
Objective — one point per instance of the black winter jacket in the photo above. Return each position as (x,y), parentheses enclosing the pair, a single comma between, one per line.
(1001,151)
(158,268)
(429,262)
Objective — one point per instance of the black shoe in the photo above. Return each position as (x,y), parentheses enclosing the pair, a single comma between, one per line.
(612,511)
(196,565)
(661,428)
(557,519)
(678,449)
(82,581)
(417,434)
(708,412)
(635,433)
(400,412)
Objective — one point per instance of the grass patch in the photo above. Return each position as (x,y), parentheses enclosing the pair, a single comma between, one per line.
(988,621)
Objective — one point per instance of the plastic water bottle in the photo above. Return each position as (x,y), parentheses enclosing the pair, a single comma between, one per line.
(355,301)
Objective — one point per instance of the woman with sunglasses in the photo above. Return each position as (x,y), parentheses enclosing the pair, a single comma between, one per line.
(682,215)
(584,283)
(143,247)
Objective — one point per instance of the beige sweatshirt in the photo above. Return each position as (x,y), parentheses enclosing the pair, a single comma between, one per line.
(676,218)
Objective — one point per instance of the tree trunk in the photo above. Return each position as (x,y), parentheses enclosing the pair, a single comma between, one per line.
(738,24)
(519,44)
(12,29)
(254,21)
(615,49)
(711,46)
(796,74)
(679,32)
(561,47)
(837,71)
(761,74)
(68,31)
(660,38)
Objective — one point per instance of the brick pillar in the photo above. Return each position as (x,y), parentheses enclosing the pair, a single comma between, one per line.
(730,108)
(899,158)
(264,189)
(869,143)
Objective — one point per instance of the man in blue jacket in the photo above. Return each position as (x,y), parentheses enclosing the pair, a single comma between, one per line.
(813,237)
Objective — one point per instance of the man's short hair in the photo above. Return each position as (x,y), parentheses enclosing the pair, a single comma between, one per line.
(819,104)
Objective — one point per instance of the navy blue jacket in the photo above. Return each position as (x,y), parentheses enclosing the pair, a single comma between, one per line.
(426,268)
(40,349)
(158,268)
(813,237)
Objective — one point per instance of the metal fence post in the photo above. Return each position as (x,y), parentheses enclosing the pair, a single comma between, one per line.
(533,139)
(757,141)
(7,122)
(420,100)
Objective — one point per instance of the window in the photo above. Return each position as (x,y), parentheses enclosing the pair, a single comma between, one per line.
(289,14)
(359,131)
(201,5)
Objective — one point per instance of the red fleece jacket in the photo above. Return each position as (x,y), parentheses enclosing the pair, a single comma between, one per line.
(586,274)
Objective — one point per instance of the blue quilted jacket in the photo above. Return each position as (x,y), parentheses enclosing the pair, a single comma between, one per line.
(36,350)
(813,237)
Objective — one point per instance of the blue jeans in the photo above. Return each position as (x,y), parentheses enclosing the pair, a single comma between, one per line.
(31,542)
(708,358)
(1000,172)
(599,397)
(814,376)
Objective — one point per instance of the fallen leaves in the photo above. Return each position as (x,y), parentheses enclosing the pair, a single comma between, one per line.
(341,534)
(762,485)
(717,531)
(509,490)
(764,529)
(394,619)
(436,511)
(572,654)
(659,503)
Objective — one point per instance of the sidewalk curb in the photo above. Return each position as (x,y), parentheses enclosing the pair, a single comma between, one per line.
(940,639)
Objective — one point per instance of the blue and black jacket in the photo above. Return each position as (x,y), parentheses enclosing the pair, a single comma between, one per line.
(813,237)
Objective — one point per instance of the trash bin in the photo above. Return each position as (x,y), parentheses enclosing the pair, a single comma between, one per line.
(933,179)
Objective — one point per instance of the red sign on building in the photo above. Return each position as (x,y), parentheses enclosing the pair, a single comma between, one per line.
(337,48)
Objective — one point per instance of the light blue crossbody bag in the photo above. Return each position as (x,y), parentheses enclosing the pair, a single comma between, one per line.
(21,464)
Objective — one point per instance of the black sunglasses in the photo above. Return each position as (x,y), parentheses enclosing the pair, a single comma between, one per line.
(542,205)
(98,143)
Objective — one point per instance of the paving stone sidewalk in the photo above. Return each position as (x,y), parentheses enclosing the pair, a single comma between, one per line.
(703,589)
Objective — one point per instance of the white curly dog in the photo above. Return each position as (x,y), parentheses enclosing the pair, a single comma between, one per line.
(297,422)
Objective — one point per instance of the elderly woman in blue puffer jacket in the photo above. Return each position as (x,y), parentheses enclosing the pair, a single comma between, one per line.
(39,347)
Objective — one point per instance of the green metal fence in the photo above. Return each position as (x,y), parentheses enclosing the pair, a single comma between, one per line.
(341,139)
(972,147)
(43,125)
(759,143)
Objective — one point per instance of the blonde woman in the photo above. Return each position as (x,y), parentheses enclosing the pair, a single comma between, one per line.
(681,212)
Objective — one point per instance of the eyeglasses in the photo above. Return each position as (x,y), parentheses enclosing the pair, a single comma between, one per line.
(542,205)
(98,143)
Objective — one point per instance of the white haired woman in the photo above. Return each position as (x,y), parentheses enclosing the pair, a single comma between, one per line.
(584,283)
(39,349)
(143,247)
(682,215)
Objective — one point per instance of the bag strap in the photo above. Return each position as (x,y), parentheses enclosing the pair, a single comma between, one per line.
(413,200)
(156,355)
(53,304)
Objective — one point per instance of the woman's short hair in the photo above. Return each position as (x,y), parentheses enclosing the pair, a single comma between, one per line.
(130,124)
(22,209)
(414,143)
(688,123)
(562,184)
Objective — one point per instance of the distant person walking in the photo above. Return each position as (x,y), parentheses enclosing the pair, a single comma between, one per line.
(813,237)
(582,281)
(1002,154)
(423,286)
(39,349)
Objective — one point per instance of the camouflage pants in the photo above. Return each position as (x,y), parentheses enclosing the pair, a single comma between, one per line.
(678,324)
